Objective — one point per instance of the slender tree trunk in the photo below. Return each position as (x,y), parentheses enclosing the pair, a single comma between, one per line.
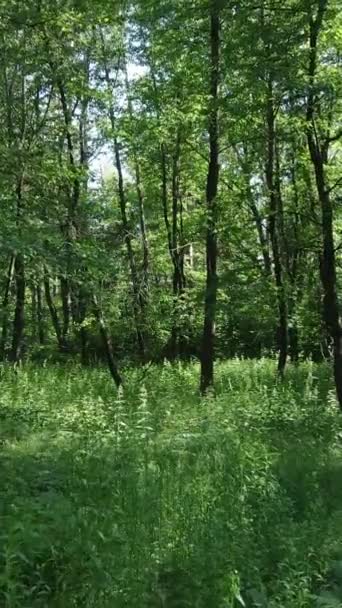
(5,303)
(40,316)
(20,287)
(140,199)
(208,340)
(294,296)
(65,297)
(138,303)
(261,234)
(69,291)
(273,192)
(19,313)
(138,299)
(174,230)
(177,254)
(54,315)
(318,154)
(107,342)
(258,221)
(143,229)
(328,276)
(34,313)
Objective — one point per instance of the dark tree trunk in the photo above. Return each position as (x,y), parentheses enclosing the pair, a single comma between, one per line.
(5,303)
(177,255)
(318,154)
(19,313)
(34,313)
(79,307)
(138,302)
(138,298)
(54,315)
(208,340)
(262,237)
(143,230)
(293,271)
(40,316)
(258,220)
(65,297)
(174,232)
(107,342)
(141,203)
(69,291)
(274,226)
(294,343)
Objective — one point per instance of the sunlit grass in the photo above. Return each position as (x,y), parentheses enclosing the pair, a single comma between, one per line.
(152,495)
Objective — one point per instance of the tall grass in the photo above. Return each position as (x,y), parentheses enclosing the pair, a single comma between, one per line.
(152,497)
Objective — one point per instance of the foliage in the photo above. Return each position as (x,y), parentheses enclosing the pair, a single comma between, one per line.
(153,497)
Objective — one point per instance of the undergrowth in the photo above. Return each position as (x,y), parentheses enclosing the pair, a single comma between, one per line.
(152,497)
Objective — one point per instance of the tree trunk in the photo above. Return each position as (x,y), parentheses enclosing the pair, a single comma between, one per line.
(208,346)
(40,316)
(138,302)
(5,303)
(65,297)
(293,263)
(140,198)
(274,193)
(34,313)
(54,315)
(318,155)
(19,313)
(138,299)
(107,342)
(177,254)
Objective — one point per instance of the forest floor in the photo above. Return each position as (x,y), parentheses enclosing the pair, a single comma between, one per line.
(152,497)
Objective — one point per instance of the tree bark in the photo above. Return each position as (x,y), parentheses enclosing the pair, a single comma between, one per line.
(140,199)
(274,226)
(138,299)
(208,340)
(177,254)
(107,342)
(65,297)
(20,287)
(138,303)
(54,315)
(5,303)
(318,155)
(40,316)
(19,313)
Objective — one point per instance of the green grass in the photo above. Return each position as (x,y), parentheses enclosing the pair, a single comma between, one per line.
(152,497)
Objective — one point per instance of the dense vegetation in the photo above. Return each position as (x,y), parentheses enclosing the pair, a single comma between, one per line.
(218,124)
(154,493)
(170,196)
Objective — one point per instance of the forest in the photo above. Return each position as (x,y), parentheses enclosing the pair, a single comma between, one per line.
(170,303)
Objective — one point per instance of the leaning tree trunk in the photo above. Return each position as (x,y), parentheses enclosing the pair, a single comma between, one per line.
(208,340)
(107,343)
